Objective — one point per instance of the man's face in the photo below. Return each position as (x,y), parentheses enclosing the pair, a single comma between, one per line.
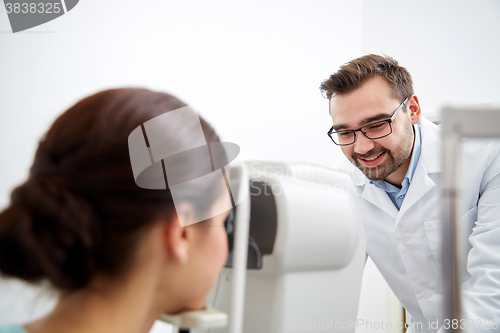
(383,158)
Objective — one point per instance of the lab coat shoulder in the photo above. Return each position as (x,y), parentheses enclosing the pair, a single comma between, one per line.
(480,159)
(481,197)
(430,155)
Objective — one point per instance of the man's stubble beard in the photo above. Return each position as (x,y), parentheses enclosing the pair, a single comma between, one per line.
(381,171)
(391,163)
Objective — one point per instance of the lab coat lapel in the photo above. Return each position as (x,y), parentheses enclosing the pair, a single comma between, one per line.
(369,192)
(380,199)
(420,185)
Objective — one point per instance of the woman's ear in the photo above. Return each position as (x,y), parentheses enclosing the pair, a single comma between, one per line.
(178,239)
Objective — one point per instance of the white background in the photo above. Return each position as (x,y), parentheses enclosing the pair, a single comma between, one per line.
(251,68)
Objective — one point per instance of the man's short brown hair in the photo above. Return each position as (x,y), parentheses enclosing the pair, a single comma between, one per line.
(353,74)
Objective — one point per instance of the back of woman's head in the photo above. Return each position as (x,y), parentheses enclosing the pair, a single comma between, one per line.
(80,212)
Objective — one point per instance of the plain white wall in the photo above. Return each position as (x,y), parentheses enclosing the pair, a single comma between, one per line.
(450,47)
(251,68)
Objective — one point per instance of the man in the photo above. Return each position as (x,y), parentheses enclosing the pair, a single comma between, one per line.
(395,165)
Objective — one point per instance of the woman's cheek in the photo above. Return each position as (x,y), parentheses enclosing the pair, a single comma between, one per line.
(224,247)
(219,248)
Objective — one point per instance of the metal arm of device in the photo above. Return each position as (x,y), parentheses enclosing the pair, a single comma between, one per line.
(457,124)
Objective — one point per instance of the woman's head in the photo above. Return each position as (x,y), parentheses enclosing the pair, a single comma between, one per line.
(80,213)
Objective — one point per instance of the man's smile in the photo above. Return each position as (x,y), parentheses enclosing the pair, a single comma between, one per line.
(372,160)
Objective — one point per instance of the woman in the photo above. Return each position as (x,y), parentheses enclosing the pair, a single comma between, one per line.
(115,251)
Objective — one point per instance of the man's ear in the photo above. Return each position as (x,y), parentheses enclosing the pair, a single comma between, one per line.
(415,111)
(178,239)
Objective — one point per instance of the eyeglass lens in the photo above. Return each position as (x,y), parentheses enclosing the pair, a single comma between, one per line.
(372,131)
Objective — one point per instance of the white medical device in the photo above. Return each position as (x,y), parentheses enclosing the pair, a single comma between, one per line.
(458,123)
(297,253)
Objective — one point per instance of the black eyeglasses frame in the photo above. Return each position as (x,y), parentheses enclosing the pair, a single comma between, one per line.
(331,132)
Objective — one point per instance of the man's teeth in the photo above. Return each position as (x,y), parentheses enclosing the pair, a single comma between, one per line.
(373,158)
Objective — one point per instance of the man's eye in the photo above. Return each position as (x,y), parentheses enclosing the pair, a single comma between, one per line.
(344,134)
(376,126)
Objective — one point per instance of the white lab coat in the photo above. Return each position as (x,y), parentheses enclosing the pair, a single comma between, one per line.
(405,245)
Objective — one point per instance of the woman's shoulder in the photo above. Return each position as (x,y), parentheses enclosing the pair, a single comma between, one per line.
(12,329)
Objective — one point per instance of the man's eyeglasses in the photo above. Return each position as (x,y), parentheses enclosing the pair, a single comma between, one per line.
(376,130)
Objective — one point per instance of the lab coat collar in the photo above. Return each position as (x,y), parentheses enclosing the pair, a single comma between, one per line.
(431,146)
(380,199)
(422,184)
(430,162)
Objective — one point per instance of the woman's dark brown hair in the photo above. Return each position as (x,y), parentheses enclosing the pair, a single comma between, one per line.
(80,212)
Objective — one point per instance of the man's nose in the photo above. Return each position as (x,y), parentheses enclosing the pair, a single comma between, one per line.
(362,145)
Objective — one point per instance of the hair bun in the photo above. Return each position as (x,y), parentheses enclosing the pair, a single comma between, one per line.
(47,232)
(17,250)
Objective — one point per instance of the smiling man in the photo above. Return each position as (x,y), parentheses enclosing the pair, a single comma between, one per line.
(376,114)
(395,165)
